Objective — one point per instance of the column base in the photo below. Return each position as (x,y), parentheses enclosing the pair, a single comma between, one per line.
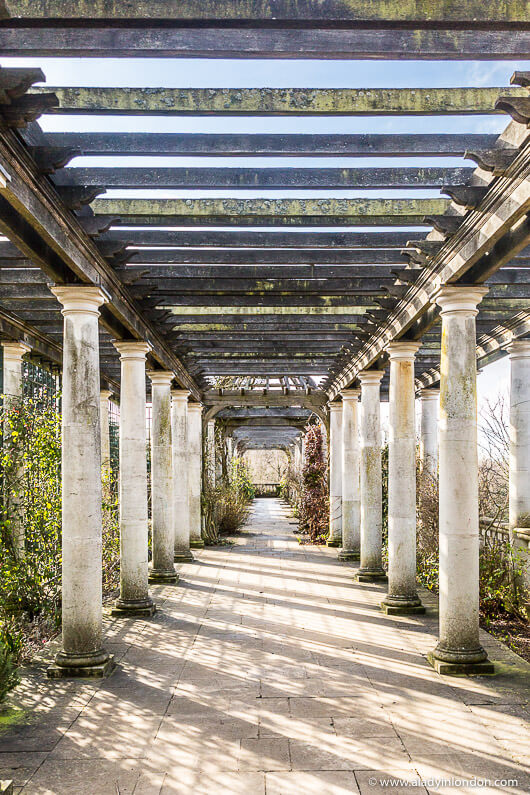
(167,576)
(183,557)
(144,608)
(372,575)
(394,606)
(96,666)
(483,668)
(334,542)
(348,554)
(197,543)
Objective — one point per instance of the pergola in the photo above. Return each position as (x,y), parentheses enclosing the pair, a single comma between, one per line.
(245,302)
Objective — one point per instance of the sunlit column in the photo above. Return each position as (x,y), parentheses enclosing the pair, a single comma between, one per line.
(134,599)
(402,596)
(82,653)
(335,475)
(195,473)
(429,400)
(371,569)
(181,475)
(351,498)
(459,649)
(211,459)
(105,395)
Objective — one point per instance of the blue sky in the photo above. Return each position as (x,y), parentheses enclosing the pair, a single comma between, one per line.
(276,74)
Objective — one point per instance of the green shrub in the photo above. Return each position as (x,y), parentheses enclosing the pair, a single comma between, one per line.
(225,507)
(8,662)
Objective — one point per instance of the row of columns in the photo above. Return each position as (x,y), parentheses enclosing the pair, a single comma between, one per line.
(449,446)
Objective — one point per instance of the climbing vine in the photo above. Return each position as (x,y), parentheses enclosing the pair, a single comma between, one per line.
(314,505)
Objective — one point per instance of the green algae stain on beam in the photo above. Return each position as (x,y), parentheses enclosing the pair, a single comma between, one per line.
(471,11)
(271,207)
(264,310)
(279,101)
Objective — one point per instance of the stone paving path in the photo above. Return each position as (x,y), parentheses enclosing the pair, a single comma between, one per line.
(268,669)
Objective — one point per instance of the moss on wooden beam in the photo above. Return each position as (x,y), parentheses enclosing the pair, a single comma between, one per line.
(472,13)
(279,101)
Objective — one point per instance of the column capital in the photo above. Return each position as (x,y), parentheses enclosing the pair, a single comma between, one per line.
(14,351)
(79,298)
(334,407)
(350,394)
(180,395)
(429,394)
(105,394)
(198,407)
(160,377)
(132,349)
(370,377)
(519,349)
(459,298)
(402,350)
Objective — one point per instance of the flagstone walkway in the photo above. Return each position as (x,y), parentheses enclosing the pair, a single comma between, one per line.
(269,670)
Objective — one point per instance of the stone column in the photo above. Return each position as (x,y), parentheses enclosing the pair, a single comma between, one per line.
(519,351)
(181,465)
(335,475)
(351,498)
(371,478)
(162,569)
(459,649)
(105,433)
(134,599)
(229,449)
(402,597)
(195,473)
(211,457)
(12,372)
(429,399)
(82,653)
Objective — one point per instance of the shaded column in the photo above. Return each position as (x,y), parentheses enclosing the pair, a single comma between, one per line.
(195,473)
(105,395)
(519,351)
(371,569)
(134,599)
(82,653)
(181,476)
(162,568)
(429,400)
(459,649)
(351,498)
(12,390)
(402,597)
(210,446)
(335,475)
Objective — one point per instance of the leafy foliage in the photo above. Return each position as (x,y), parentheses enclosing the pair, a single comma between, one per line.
(314,505)
(226,506)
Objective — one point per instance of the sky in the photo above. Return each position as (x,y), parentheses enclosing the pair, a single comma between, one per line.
(198,73)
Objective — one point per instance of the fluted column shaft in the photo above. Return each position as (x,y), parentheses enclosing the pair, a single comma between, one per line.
(181,476)
(351,498)
(335,475)
(134,596)
(195,473)
(459,649)
(371,568)
(402,595)
(82,653)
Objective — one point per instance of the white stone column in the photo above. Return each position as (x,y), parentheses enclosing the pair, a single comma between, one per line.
(181,474)
(402,597)
(351,498)
(105,395)
(229,449)
(459,649)
(519,351)
(371,569)
(429,400)
(12,390)
(162,569)
(335,475)
(82,653)
(195,473)
(211,457)
(134,599)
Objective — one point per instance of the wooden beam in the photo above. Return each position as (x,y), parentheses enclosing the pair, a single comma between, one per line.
(134,274)
(262,301)
(154,42)
(262,178)
(278,102)
(166,262)
(279,240)
(271,145)
(473,14)
(367,285)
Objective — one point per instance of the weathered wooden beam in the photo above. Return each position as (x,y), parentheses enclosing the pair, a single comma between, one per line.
(260,300)
(166,262)
(279,102)
(266,178)
(271,145)
(367,285)
(323,212)
(14,82)
(149,273)
(153,42)
(286,322)
(279,240)
(474,14)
